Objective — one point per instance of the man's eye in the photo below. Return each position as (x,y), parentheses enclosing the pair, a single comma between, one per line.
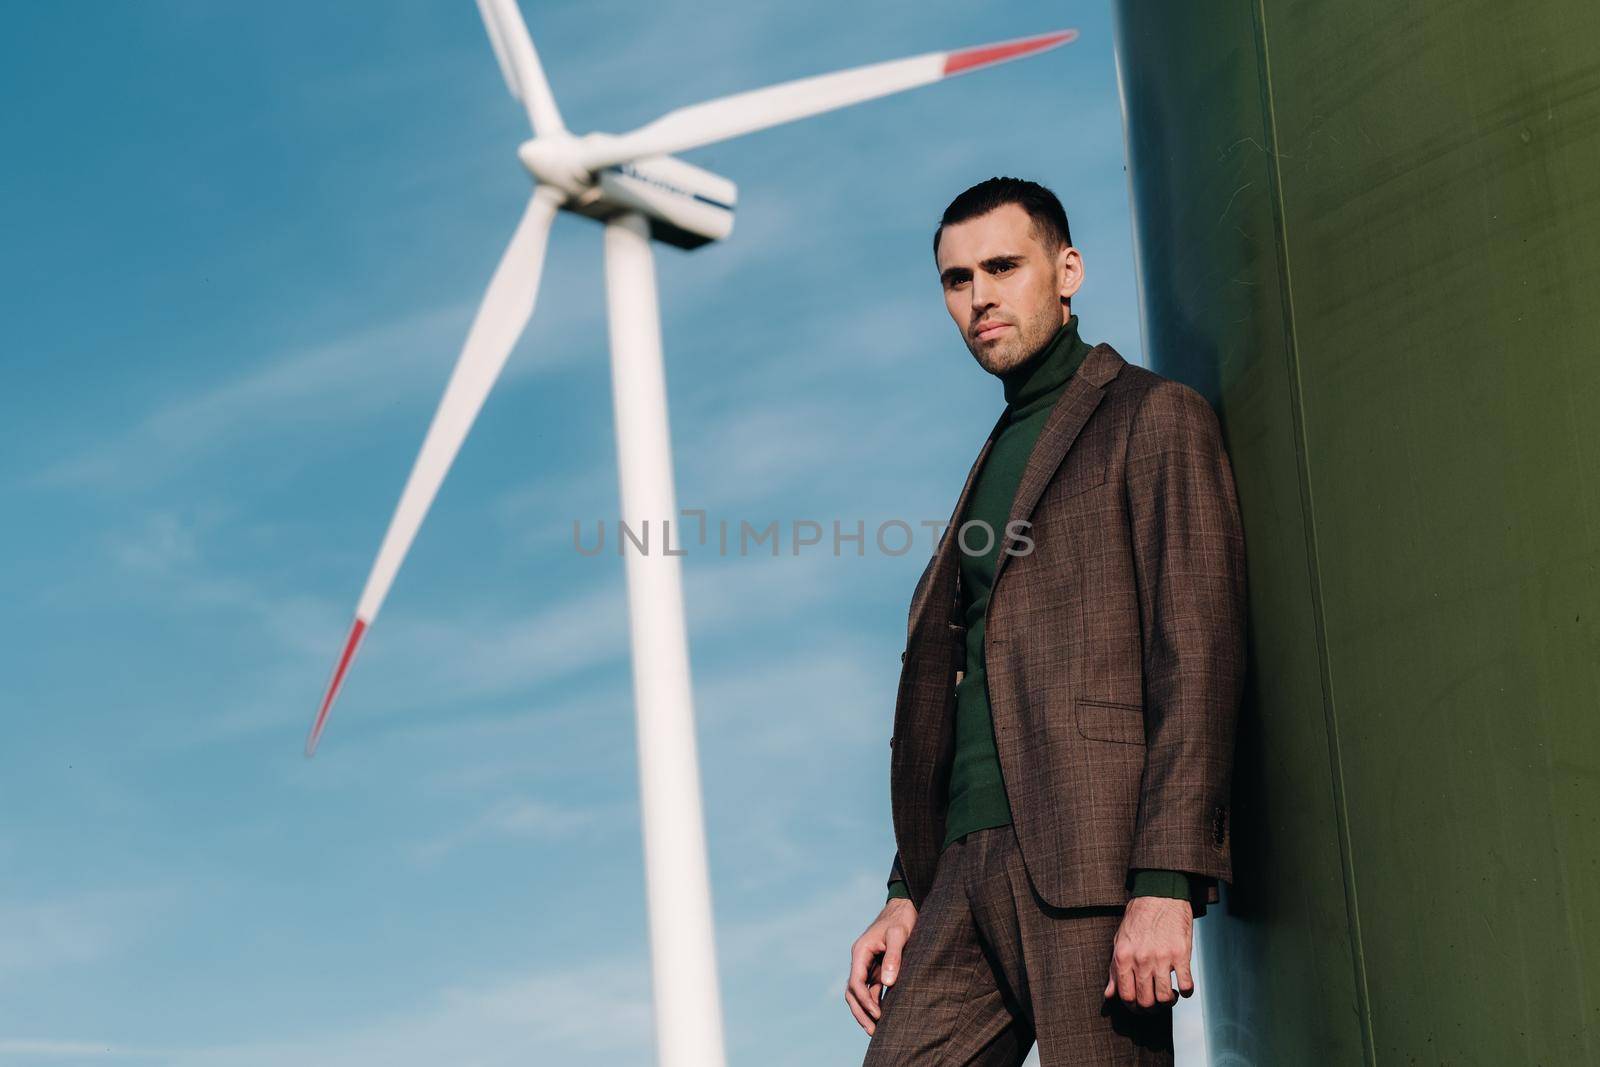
(1002,268)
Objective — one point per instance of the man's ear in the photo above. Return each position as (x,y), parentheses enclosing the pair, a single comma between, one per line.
(1069,272)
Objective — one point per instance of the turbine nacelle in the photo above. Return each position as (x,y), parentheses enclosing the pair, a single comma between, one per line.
(687,206)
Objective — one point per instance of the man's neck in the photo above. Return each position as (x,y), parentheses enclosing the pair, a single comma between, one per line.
(1045,372)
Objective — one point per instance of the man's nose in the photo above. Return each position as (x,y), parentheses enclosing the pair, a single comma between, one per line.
(982,299)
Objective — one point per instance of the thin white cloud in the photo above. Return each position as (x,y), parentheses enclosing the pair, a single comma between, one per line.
(71,929)
(788,936)
(163,553)
(161,544)
(347,377)
(514,818)
(485,652)
(345,381)
(595,1011)
(45,1049)
(469,656)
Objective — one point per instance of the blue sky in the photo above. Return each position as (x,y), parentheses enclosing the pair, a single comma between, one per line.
(242,244)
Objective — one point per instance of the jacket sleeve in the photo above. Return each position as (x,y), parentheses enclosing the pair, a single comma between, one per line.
(1189,564)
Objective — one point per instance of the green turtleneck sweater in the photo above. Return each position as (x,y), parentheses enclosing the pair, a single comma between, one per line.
(977,798)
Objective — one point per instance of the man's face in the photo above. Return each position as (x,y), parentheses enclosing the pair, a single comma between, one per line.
(1007,294)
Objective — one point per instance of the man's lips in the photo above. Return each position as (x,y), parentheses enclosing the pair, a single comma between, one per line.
(990,329)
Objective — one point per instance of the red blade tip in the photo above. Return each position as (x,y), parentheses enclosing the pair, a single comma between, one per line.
(350,645)
(964,59)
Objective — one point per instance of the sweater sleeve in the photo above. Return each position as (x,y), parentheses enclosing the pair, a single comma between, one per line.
(897,881)
(1177,885)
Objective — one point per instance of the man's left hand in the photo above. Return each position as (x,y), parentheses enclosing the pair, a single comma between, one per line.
(1155,939)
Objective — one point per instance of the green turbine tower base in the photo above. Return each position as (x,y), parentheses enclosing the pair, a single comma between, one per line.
(1369,232)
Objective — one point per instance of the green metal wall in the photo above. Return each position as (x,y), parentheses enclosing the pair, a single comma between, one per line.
(1370,232)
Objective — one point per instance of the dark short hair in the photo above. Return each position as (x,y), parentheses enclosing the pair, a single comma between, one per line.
(1049,217)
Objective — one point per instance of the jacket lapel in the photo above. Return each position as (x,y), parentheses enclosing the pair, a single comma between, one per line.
(939,567)
(1072,409)
(1077,402)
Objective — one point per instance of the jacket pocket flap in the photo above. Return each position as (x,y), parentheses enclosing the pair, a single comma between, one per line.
(1102,720)
(1080,480)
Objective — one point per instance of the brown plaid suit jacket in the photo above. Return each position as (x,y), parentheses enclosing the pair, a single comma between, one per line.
(1115,648)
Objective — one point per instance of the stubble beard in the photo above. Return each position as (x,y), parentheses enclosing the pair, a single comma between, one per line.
(1015,348)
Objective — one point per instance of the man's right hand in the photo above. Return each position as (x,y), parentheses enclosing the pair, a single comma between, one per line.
(875,960)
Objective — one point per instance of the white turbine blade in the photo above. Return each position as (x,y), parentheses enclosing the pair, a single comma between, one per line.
(491,24)
(730,116)
(519,62)
(501,317)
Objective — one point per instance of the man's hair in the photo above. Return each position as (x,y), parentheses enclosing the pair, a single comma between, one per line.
(1049,217)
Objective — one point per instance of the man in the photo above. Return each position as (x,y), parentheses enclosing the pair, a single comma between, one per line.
(1063,736)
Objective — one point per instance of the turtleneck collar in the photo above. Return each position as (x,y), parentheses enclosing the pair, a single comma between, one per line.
(1036,381)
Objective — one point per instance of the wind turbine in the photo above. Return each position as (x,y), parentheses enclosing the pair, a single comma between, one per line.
(636,187)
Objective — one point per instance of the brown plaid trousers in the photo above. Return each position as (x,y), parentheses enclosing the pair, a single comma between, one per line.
(1114,645)
(990,968)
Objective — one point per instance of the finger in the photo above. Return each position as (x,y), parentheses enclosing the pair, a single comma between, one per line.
(1126,987)
(861,956)
(1162,982)
(896,943)
(1185,979)
(1144,986)
(858,1011)
(1111,982)
(855,993)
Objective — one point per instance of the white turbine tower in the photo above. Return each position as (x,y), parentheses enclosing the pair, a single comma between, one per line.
(634,186)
